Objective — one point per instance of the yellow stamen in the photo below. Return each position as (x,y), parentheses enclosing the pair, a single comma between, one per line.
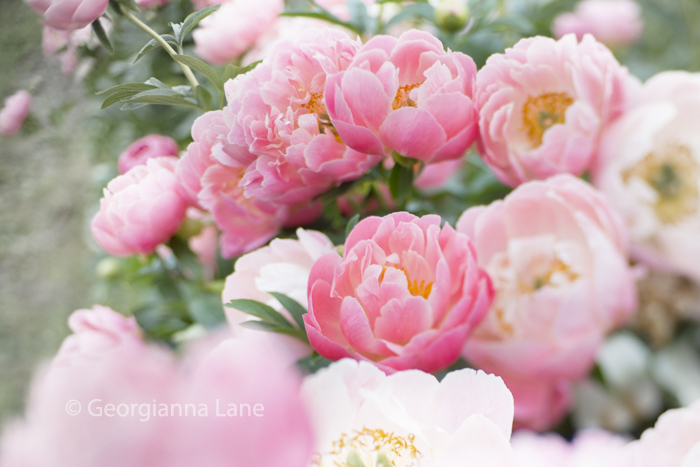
(542,112)
(414,287)
(402,99)
(369,446)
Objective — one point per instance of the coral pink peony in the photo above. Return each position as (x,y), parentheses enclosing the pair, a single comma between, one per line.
(543,103)
(145,148)
(140,209)
(137,406)
(556,252)
(279,127)
(14,112)
(233,29)
(649,167)
(409,417)
(405,294)
(673,442)
(283,266)
(615,23)
(590,447)
(405,95)
(69,14)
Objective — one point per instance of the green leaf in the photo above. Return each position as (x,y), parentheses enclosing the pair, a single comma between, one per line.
(102,36)
(161,97)
(417,11)
(193,20)
(230,72)
(401,183)
(293,307)
(259,310)
(358,15)
(313,363)
(204,98)
(351,224)
(325,16)
(206,310)
(123,91)
(198,65)
(272,327)
(129,5)
(153,44)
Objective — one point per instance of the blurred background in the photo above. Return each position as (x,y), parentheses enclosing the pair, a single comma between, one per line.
(52,173)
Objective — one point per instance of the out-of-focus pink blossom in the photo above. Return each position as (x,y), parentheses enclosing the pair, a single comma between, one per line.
(543,103)
(65,44)
(69,14)
(615,23)
(145,148)
(590,447)
(283,266)
(339,8)
(556,253)
(140,209)
(405,294)
(649,167)
(279,125)
(138,406)
(409,417)
(234,28)
(152,3)
(435,176)
(14,112)
(673,442)
(405,95)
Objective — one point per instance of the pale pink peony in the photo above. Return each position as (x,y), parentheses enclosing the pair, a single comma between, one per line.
(556,252)
(673,442)
(615,23)
(145,148)
(234,28)
(409,417)
(140,209)
(96,333)
(279,127)
(405,95)
(543,103)
(590,448)
(69,14)
(152,3)
(14,113)
(405,294)
(146,428)
(649,167)
(283,266)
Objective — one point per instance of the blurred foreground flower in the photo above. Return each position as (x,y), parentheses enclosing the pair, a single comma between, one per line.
(14,112)
(615,23)
(364,418)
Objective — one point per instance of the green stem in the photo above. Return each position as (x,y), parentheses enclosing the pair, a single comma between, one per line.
(144,27)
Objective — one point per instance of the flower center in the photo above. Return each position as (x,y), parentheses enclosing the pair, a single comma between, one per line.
(559,273)
(402,99)
(315,104)
(542,112)
(370,448)
(414,287)
(674,175)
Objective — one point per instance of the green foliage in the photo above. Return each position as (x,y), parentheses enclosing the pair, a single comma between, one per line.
(271,320)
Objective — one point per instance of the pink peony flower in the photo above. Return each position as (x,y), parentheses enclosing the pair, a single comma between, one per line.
(14,112)
(283,266)
(590,447)
(556,252)
(673,442)
(145,148)
(140,209)
(405,294)
(69,14)
(543,103)
(66,44)
(615,23)
(138,406)
(409,417)
(279,127)
(405,95)
(96,333)
(233,29)
(152,3)
(649,167)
